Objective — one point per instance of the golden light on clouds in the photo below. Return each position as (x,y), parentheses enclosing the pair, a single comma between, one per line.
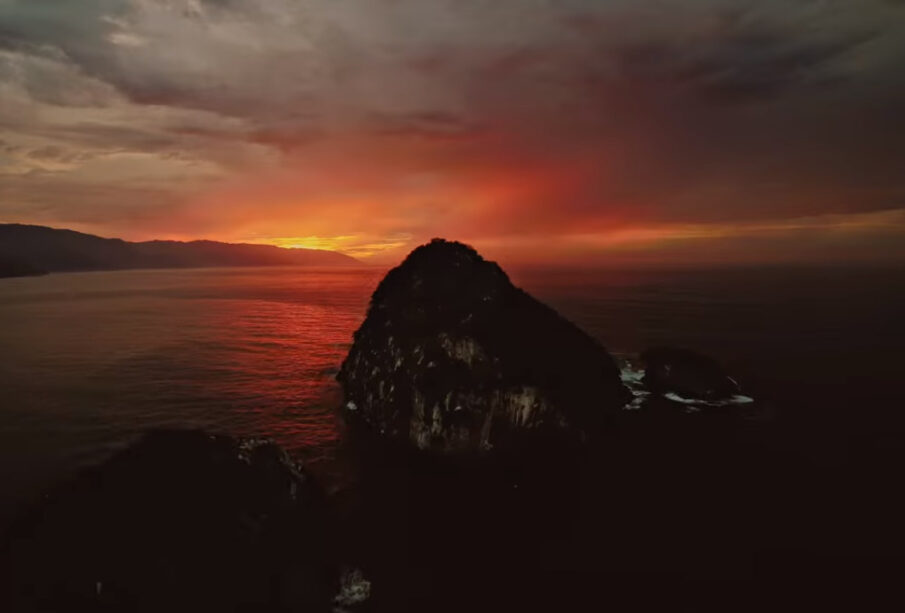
(893,220)
(355,245)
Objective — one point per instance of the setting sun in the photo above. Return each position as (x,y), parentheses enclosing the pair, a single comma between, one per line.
(354,245)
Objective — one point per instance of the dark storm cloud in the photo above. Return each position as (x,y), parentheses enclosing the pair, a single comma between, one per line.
(742,63)
(77,29)
(307,49)
(91,36)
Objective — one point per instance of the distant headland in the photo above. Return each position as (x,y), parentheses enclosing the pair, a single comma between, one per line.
(32,250)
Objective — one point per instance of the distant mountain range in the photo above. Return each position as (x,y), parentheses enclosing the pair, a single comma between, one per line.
(30,250)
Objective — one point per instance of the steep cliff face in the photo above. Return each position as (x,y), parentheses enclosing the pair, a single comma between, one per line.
(454,358)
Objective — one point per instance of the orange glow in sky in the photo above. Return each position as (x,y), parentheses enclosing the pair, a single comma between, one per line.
(578,132)
(350,244)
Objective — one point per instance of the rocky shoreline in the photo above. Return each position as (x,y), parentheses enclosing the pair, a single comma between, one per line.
(504,461)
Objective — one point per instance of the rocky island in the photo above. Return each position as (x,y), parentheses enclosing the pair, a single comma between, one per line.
(453,358)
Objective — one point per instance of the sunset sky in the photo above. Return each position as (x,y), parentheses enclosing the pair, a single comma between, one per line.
(537,130)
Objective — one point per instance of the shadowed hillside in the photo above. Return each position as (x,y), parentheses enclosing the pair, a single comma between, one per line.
(38,248)
(15,267)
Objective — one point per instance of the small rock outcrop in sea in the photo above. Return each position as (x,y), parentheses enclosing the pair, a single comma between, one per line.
(454,358)
(687,374)
(182,520)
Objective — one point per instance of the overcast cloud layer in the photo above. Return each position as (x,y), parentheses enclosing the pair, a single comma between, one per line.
(582,126)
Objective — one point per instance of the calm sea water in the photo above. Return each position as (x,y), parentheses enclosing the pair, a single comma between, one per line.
(90,360)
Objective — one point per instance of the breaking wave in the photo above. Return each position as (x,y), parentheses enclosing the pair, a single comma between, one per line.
(632,375)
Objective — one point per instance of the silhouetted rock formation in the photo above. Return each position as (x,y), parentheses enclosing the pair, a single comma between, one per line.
(54,250)
(454,358)
(686,373)
(179,521)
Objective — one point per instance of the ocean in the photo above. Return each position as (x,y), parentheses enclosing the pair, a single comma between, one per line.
(88,361)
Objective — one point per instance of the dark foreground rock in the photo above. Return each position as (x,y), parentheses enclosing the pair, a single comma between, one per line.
(180,521)
(658,508)
(686,373)
(453,358)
